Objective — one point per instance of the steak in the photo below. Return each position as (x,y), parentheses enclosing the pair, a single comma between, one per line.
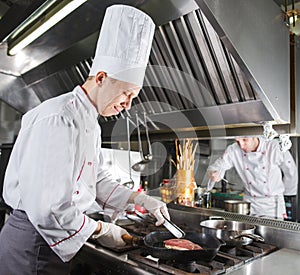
(181,244)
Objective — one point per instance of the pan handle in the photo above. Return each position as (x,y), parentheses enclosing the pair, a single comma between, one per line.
(221,242)
(132,240)
(216,218)
(254,237)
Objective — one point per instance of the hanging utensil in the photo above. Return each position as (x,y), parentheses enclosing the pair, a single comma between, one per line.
(130,183)
(141,165)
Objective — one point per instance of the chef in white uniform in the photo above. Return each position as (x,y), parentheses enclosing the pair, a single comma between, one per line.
(267,173)
(54,174)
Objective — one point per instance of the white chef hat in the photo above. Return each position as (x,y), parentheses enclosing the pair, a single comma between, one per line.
(124,44)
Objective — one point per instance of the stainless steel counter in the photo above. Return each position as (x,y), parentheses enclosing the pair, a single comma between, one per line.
(285,236)
(97,260)
(284,261)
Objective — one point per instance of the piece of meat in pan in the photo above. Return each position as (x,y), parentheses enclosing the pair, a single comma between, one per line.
(181,244)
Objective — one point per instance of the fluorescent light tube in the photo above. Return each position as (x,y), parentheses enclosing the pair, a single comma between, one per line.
(42,28)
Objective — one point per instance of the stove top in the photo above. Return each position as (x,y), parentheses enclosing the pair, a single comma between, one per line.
(226,260)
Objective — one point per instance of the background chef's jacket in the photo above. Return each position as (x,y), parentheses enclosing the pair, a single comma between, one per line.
(265,173)
(54,173)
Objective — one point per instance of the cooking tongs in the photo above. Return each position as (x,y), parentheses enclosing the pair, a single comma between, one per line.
(173,228)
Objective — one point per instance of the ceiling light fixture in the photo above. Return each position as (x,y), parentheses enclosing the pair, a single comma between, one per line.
(291,15)
(49,14)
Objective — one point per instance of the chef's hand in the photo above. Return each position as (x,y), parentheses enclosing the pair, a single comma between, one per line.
(157,208)
(214,176)
(110,235)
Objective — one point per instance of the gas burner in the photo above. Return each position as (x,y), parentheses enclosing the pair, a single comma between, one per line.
(200,267)
(231,250)
(192,267)
(227,259)
(180,268)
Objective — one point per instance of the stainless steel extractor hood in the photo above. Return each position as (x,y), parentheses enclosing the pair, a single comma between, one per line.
(215,66)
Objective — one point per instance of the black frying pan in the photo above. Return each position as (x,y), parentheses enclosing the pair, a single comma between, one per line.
(154,243)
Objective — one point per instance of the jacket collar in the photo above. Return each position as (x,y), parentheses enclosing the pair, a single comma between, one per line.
(89,107)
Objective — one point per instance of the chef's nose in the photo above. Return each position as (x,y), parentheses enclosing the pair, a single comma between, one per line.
(127,103)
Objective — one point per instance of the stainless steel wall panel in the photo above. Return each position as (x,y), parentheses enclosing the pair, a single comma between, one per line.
(13,93)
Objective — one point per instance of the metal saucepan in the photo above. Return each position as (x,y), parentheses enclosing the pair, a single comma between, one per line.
(154,243)
(231,232)
(236,206)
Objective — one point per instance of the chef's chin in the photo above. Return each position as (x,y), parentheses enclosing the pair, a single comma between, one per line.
(113,112)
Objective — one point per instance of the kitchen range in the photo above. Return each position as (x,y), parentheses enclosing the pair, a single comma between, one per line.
(278,239)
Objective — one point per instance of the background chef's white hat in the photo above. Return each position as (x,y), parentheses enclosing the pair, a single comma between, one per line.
(124,44)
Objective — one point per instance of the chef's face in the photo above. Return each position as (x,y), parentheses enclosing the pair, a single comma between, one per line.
(248,144)
(115,96)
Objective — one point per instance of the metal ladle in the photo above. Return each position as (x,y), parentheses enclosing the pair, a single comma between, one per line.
(141,165)
(130,183)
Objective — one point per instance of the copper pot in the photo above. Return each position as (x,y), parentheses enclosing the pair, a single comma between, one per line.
(236,206)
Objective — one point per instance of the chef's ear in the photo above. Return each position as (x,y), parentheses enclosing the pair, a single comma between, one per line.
(100,76)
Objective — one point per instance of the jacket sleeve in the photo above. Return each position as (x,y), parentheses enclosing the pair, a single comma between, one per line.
(290,174)
(111,196)
(47,173)
(222,164)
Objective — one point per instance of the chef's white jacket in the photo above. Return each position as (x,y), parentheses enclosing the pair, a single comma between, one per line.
(54,173)
(266,173)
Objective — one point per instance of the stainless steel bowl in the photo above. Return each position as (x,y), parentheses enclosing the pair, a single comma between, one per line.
(236,206)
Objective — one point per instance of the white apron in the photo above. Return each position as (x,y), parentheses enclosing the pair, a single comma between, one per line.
(272,207)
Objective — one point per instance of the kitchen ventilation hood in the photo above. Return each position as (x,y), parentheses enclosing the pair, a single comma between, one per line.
(217,68)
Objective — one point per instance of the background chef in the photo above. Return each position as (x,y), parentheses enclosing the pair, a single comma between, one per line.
(54,174)
(267,173)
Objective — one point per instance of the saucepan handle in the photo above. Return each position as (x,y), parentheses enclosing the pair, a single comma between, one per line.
(254,237)
(222,242)
(216,218)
